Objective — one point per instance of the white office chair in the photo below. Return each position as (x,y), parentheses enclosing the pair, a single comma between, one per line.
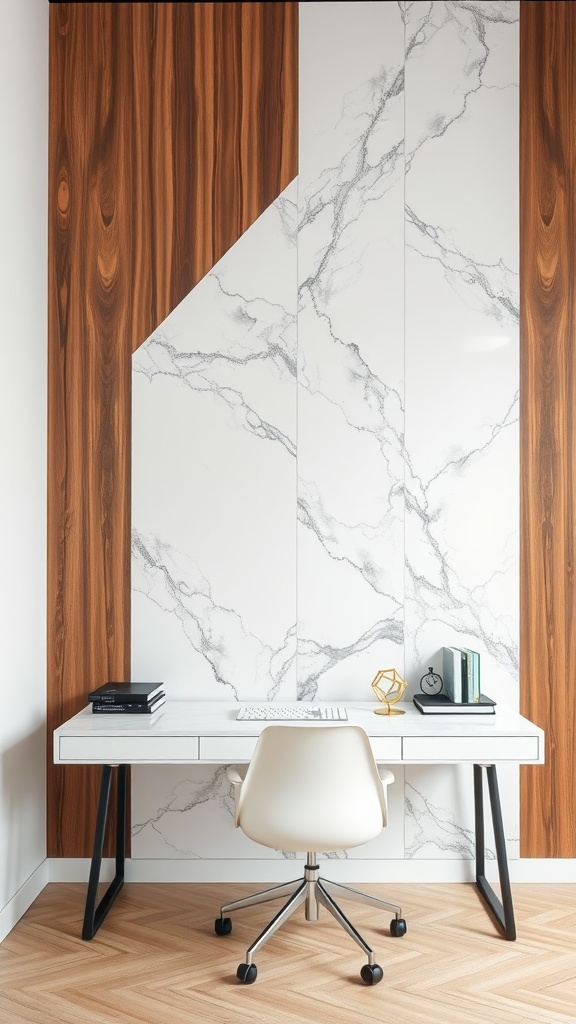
(314,789)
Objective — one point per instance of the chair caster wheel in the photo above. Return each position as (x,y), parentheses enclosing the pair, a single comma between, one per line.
(371,974)
(247,973)
(397,927)
(222,926)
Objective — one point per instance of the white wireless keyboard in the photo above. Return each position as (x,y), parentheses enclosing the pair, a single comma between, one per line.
(302,712)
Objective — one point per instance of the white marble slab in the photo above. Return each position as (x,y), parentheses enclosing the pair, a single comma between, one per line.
(461,353)
(350,348)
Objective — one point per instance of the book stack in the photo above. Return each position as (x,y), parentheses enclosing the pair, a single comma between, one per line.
(127,698)
(462,694)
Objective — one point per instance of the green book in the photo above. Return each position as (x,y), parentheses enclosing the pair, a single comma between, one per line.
(472,690)
(452,673)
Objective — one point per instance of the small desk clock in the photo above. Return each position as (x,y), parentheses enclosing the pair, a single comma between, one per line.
(431,683)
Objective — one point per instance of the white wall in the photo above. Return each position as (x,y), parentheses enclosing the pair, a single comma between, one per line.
(23,284)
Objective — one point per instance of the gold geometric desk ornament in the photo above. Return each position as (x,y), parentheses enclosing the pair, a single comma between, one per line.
(392,693)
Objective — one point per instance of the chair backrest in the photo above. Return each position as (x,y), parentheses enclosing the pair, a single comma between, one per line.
(312,788)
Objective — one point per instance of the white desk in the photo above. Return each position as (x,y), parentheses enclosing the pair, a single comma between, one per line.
(201,732)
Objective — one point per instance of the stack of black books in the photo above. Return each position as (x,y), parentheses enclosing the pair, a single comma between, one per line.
(127,698)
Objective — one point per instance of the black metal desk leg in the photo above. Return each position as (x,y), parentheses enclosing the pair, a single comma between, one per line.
(503,912)
(95,914)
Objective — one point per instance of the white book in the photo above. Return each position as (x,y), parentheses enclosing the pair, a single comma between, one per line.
(452,673)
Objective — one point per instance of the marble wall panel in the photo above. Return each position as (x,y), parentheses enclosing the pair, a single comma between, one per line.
(350,348)
(461,355)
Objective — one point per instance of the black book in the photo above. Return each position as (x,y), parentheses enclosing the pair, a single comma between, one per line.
(440,704)
(128,708)
(118,693)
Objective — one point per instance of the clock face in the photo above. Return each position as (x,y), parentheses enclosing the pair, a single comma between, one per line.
(431,682)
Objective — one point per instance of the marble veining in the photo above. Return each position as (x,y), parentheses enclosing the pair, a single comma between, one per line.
(490,287)
(448,837)
(178,589)
(187,794)
(260,332)
(351,416)
(315,660)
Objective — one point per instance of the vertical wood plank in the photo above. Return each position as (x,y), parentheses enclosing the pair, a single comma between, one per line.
(172,127)
(548,401)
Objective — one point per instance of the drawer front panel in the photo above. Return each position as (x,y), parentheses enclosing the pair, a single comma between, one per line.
(386,748)
(128,749)
(227,749)
(484,749)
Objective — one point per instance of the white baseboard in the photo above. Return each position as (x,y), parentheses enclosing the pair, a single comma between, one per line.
(543,870)
(77,869)
(27,893)
(269,870)
(265,870)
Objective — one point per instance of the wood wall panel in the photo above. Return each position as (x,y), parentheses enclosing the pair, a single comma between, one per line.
(548,420)
(172,127)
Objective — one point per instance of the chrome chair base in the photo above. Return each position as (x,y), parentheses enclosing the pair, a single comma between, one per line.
(313,892)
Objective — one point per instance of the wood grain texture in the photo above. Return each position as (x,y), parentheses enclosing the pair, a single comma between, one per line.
(548,402)
(156,960)
(172,127)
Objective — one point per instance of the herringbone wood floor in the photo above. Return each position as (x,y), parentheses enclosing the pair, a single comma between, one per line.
(156,960)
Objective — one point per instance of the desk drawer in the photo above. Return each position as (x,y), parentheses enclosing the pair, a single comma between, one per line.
(479,750)
(128,749)
(386,748)
(227,749)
